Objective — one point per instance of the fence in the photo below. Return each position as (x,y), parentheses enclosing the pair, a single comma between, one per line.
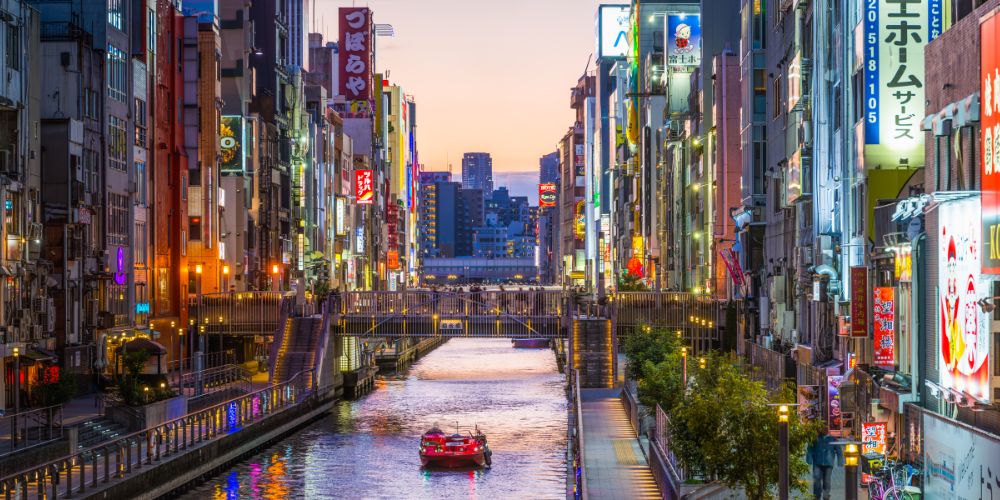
(123,456)
(696,317)
(661,439)
(237,313)
(428,302)
(579,469)
(26,429)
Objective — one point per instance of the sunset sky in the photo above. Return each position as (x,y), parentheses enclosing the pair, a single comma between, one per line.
(487,75)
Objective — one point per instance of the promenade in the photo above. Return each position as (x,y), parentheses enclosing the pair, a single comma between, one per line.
(614,462)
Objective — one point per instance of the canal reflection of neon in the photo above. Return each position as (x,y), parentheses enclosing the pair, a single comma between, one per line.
(232,417)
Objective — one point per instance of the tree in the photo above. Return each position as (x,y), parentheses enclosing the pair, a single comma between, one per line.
(628,282)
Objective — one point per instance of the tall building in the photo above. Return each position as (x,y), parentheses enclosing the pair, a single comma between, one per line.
(548,168)
(427,212)
(477,172)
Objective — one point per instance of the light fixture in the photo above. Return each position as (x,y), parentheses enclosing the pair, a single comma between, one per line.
(783,414)
(197,269)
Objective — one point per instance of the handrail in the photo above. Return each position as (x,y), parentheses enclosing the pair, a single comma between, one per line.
(48,419)
(157,440)
(579,437)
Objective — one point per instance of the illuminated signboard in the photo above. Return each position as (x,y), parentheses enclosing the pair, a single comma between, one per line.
(121,273)
(833,403)
(580,225)
(359,241)
(392,257)
(963,356)
(989,114)
(903,261)
(884,326)
(793,178)
(959,461)
(547,195)
(683,39)
(355,53)
(895,34)
(451,324)
(364,187)
(873,438)
(859,301)
(232,136)
(341,216)
(612,31)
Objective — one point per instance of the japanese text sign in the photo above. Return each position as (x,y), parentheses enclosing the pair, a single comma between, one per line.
(884,326)
(364,187)
(895,33)
(990,123)
(873,437)
(355,53)
(859,301)
(683,40)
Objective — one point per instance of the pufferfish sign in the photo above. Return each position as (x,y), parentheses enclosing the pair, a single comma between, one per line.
(683,39)
(963,357)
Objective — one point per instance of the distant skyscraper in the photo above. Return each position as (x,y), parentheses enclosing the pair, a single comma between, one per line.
(548,168)
(477,172)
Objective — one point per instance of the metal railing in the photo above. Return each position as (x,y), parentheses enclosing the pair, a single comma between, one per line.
(212,380)
(209,360)
(128,454)
(696,317)
(237,313)
(580,472)
(661,439)
(428,302)
(20,431)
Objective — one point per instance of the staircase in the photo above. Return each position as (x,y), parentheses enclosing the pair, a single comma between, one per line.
(98,430)
(300,347)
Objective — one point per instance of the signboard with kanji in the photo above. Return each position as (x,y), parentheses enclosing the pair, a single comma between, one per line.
(884,326)
(355,53)
(859,302)
(989,115)
(364,187)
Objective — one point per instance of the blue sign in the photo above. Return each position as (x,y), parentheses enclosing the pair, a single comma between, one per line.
(142,308)
(683,40)
(871,72)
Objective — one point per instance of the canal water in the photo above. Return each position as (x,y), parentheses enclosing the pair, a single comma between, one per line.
(368,448)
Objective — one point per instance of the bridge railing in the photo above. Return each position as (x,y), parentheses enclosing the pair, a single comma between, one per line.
(237,313)
(128,454)
(427,302)
(696,317)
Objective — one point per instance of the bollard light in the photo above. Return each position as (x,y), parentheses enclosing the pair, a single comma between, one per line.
(851,455)
(783,414)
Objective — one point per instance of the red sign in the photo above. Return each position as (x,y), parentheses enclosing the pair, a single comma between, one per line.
(356,53)
(873,438)
(547,196)
(859,301)
(989,116)
(364,187)
(884,326)
(635,267)
(393,258)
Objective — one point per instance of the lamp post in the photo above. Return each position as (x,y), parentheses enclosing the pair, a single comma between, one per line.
(17,392)
(851,471)
(783,452)
(276,271)
(180,359)
(684,363)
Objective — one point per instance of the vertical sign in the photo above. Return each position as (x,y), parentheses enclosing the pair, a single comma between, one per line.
(873,437)
(989,115)
(833,403)
(355,54)
(341,214)
(859,302)
(883,326)
(364,187)
(231,139)
(547,196)
(963,357)
(895,34)
(683,40)
(612,31)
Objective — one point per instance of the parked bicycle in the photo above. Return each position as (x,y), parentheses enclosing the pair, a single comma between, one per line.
(893,481)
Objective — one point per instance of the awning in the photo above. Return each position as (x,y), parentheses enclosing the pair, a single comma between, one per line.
(150,346)
(31,355)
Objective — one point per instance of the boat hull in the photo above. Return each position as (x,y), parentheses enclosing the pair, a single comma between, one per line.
(454,461)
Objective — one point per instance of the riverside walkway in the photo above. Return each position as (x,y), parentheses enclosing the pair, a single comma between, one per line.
(614,462)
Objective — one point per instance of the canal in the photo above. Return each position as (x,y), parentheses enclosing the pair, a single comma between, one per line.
(368,448)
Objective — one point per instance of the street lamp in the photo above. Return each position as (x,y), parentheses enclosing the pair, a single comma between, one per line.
(276,271)
(684,360)
(17,391)
(783,452)
(851,471)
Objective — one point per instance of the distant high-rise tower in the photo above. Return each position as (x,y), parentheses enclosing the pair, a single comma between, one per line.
(548,168)
(477,172)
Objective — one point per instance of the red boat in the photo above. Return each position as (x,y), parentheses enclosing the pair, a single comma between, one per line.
(438,449)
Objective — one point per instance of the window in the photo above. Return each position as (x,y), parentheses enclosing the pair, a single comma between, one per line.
(141,239)
(13,47)
(116,73)
(118,219)
(116,143)
(141,188)
(140,123)
(194,228)
(116,13)
(776,96)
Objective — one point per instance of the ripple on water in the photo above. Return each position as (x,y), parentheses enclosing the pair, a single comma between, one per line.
(368,448)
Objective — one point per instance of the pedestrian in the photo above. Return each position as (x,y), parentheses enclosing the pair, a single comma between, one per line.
(823,455)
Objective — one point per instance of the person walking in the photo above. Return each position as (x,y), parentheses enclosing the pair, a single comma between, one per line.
(823,455)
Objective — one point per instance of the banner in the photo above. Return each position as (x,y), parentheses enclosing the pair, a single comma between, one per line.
(833,403)
(963,357)
(808,397)
(884,326)
(355,53)
(364,187)
(859,302)
(989,115)
(683,40)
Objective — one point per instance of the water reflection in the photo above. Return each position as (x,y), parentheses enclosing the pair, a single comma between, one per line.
(368,448)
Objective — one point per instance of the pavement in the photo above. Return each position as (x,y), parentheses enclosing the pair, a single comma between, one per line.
(614,463)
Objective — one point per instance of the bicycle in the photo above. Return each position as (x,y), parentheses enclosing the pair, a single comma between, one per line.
(893,482)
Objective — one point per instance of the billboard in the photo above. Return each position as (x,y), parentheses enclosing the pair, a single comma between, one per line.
(895,34)
(364,187)
(547,195)
(989,115)
(612,31)
(355,53)
(341,213)
(884,326)
(835,422)
(963,354)
(683,39)
(232,136)
(959,462)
